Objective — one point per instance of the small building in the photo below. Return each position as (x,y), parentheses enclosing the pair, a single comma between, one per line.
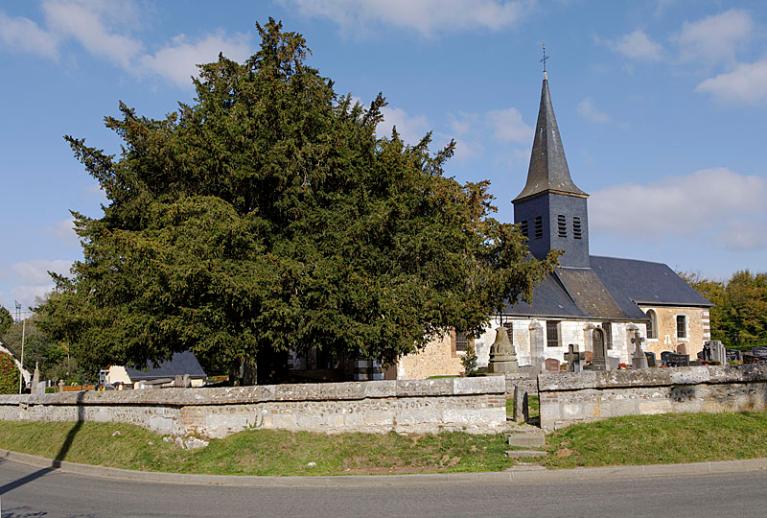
(602,306)
(163,375)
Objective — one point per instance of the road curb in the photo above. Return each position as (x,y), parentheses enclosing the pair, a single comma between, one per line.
(520,476)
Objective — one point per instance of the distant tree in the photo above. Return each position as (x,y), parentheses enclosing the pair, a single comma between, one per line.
(5,320)
(268,216)
(9,375)
(39,346)
(739,317)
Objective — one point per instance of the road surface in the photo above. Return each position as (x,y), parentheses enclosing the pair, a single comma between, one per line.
(31,492)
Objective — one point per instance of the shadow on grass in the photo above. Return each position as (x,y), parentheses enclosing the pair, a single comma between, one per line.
(60,456)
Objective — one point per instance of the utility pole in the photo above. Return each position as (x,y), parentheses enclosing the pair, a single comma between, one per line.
(23,339)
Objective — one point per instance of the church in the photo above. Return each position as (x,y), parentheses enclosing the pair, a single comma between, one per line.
(600,306)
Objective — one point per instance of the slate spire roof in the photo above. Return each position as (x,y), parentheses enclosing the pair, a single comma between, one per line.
(548,171)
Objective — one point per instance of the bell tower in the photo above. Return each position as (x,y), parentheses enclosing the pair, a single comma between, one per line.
(551,210)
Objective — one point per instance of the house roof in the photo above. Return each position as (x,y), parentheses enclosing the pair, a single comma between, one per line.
(179,364)
(643,282)
(548,171)
(612,289)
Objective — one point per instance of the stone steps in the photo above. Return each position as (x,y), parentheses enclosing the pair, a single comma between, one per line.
(525,454)
(527,437)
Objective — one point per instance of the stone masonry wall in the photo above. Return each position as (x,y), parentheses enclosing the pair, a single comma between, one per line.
(474,405)
(573,398)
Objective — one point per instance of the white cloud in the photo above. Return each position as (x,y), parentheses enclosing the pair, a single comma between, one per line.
(178,60)
(423,16)
(705,204)
(26,36)
(508,126)
(588,110)
(82,22)
(31,278)
(638,46)
(746,83)
(411,128)
(103,29)
(65,230)
(715,38)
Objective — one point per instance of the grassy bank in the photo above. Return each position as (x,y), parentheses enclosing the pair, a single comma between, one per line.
(259,452)
(661,439)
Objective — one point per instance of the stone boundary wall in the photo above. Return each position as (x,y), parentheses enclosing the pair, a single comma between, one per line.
(568,398)
(474,405)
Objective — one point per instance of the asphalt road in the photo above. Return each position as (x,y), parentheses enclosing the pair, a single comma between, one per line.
(30,492)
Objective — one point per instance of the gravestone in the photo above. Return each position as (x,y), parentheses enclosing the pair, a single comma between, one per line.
(599,359)
(638,360)
(573,358)
(714,351)
(664,357)
(551,365)
(536,346)
(503,357)
(651,362)
(733,355)
(678,360)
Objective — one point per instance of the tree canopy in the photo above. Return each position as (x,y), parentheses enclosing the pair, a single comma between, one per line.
(268,216)
(739,315)
(5,320)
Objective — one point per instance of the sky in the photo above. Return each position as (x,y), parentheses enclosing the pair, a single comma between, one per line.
(661,105)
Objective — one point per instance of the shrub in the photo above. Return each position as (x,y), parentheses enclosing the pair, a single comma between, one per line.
(9,375)
(469,360)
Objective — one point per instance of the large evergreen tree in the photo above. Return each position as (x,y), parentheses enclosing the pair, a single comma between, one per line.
(268,216)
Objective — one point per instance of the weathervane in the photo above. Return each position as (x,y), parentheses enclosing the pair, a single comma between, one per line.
(545,57)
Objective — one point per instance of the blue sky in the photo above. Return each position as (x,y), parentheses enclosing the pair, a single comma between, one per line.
(661,105)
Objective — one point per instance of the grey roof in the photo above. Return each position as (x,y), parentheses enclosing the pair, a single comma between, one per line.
(611,289)
(178,365)
(643,282)
(548,169)
(550,299)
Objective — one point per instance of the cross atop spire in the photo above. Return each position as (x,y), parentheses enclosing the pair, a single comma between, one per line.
(545,57)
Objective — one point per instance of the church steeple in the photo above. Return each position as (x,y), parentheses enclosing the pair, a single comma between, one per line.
(548,169)
(551,210)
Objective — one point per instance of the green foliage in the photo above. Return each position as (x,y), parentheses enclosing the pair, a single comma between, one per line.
(469,360)
(5,320)
(266,217)
(9,375)
(739,317)
(40,348)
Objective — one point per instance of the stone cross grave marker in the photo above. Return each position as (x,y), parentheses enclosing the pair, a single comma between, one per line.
(638,360)
(573,358)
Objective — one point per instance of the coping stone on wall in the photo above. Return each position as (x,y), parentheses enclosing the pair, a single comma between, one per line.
(651,377)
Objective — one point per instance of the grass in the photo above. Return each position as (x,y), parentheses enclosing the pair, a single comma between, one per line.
(660,439)
(261,452)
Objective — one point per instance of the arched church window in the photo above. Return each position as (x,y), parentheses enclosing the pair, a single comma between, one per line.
(652,325)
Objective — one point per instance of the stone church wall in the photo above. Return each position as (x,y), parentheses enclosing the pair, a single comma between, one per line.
(438,358)
(698,330)
(474,405)
(568,399)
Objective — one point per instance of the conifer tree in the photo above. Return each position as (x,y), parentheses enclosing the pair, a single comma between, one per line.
(267,216)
